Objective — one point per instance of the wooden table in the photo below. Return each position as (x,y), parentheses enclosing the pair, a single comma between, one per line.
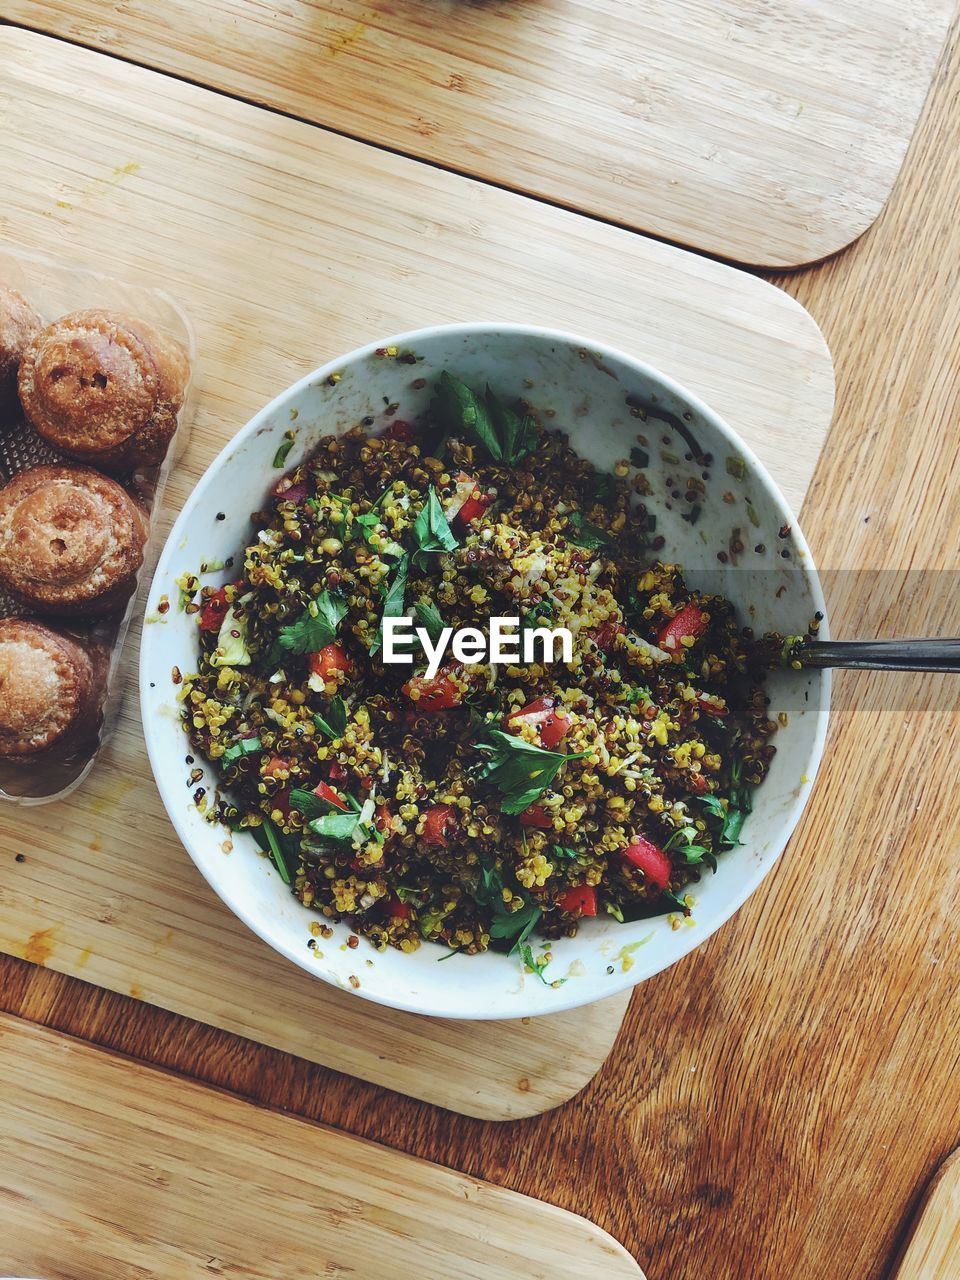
(779,1099)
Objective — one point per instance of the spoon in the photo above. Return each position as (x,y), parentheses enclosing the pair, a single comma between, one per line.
(882,655)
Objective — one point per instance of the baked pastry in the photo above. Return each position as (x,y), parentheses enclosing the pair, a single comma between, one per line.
(49,690)
(71,540)
(104,388)
(19,323)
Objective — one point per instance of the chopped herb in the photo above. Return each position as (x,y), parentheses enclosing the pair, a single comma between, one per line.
(280,457)
(518,435)
(461,413)
(693,515)
(752,513)
(520,770)
(515,924)
(431,530)
(305,802)
(507,436)
(640,458)
(674,900)
(313,630)
(586,534)
(563,851)
(736,467)
(245,747)
(393,600)
(335,724)
(273,846)
(429,616)
(614,910)
(338,826)
(538,966)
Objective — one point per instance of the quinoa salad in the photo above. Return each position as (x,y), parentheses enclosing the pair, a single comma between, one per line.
(488,804)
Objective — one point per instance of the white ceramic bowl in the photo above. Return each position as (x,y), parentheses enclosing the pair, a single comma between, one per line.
(587,391)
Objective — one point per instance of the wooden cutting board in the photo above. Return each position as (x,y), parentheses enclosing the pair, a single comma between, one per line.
(933,1250)
(111,1168)
(767,131)
(287,245)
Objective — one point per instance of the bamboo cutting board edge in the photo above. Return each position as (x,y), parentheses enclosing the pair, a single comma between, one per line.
(230,175)
(115,1165)
(933,1247)
(764,133)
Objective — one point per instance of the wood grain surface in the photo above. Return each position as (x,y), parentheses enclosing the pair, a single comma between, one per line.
(933,1250)
(101,150)
(766,131)
(778,1101)
(132,1173)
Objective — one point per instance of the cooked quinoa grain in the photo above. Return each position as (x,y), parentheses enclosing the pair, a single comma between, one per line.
(490,802)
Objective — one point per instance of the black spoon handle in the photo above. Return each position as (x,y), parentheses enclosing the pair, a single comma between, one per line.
(883,655)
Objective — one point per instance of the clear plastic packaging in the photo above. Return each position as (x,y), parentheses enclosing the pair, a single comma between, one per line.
(54,288)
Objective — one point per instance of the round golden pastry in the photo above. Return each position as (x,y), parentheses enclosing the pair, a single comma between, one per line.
(104,388)
(19,323)
(71,540)
(48,690)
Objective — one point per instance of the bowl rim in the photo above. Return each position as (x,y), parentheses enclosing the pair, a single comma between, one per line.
(565,997)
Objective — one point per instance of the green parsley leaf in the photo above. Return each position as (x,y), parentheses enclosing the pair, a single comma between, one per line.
(736,467)
(538,966)
(515,924)
(520,770)
(245,747)
(429,616)
(280,457)
(518,435)
(313,630)
(460,413)
(730,832)
(393,600)
(335,724)
(585,534)
(563,852)
(431,530)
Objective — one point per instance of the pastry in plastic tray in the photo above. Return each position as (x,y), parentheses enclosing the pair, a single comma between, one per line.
(71,541)
(95,380)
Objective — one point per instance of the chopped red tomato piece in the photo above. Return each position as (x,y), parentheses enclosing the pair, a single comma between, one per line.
(440,824)
(325,792)
(214,611)
(275,766)
(579,900)
(329,660)
(688,622)
(604,636)
(336,772)
(653,862)
(398,910)
(281,801)
(473,503)
(712,706)
(551,725)
(438,694)
(536,816)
